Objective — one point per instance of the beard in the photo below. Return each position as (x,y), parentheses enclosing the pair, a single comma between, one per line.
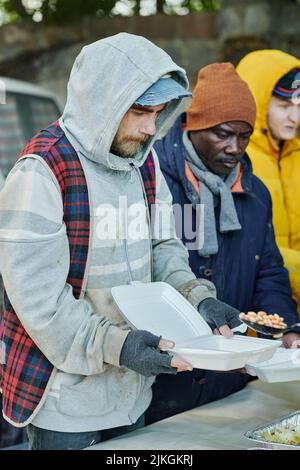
(127,147)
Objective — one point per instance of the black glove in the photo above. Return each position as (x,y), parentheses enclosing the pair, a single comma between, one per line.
(217,313)
(139,353)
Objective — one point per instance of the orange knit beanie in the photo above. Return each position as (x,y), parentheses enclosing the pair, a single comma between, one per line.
(220,96)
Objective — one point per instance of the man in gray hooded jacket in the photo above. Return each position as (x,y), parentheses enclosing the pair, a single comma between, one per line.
(121,91)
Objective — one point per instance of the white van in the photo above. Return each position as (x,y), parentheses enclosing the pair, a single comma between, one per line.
(24,110)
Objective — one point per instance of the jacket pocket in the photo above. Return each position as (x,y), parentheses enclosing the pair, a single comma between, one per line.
(90,397)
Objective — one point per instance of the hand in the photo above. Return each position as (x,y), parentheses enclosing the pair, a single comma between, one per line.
(220,316)
(141,353)
(291,340)
(179,364)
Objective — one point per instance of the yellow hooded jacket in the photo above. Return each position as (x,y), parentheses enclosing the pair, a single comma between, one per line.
(278,169)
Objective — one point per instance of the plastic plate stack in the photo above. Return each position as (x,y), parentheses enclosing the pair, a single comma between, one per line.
(284,366)
(160,309)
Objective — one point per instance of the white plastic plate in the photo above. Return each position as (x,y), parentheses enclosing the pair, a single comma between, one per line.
(284,366)
(160,309)
(219,353)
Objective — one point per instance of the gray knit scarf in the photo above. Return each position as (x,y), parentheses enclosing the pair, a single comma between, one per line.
(211,185)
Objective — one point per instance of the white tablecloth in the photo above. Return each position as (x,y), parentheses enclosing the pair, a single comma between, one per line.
(218,425)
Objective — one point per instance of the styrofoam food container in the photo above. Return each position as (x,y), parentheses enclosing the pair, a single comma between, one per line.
(284,366)
(159,308)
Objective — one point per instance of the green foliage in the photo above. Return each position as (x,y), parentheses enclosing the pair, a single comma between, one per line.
(201,5)
(13,10)
(62,11)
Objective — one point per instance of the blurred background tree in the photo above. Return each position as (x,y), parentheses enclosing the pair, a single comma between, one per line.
(60,11)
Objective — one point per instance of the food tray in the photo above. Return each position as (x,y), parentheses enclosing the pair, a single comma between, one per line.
(284,366)
(288,424)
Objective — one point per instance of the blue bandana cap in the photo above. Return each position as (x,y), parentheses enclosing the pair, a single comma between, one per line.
(162,91)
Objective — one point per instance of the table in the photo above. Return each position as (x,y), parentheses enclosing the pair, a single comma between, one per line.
(217,425)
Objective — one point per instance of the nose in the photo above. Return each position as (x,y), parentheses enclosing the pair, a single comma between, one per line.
(233,147)
(148,125)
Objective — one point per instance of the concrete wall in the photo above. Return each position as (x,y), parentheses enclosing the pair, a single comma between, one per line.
(44,55)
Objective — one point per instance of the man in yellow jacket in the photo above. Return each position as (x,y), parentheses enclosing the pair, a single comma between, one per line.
(274,79)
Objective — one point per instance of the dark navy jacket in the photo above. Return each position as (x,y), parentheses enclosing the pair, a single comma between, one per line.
(248,269)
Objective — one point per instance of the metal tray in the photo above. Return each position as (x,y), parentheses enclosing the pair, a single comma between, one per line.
(289,422)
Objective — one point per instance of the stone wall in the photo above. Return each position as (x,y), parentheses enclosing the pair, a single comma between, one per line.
(44,55)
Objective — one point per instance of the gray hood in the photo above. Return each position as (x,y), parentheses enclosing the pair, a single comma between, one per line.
(106,79)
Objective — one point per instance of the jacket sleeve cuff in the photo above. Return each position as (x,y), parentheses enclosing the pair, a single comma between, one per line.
(197,290)
(295,330)
(112,345)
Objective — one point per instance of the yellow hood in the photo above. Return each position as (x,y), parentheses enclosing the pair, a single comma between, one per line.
(279,169)
(261,70)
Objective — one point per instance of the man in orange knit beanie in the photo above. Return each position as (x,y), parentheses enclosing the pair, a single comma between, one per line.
(205,165)
(220,96)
